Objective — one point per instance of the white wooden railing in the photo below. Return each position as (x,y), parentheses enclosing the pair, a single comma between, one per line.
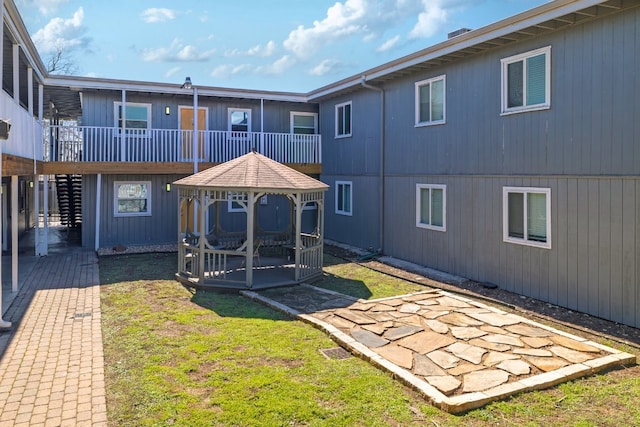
(105,144)
(25,131)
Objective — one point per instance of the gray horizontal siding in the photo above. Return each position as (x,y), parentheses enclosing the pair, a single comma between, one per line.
(592,265)
(590,129)
(98,110)
(159,228)
(360,153)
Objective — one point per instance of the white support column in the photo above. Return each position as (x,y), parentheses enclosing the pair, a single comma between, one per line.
(14,233)
(123,132)
(42,247)
(16,72)
(98,199)
(40,102)
(261,149)
(30,90)
(3,323)
(36,212)
(45,216)
(196,133)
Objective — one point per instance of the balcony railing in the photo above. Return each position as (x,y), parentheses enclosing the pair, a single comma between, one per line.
(108,144)
(26,131)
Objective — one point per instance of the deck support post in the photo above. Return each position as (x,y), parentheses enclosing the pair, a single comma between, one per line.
(98,197)
(14,233)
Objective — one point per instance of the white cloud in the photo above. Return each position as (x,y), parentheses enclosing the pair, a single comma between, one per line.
(430,20)
(278,67)
(389,44)
(176,52)
(62,33)
(369,20)
(324,67)
(258,50)
(155,14)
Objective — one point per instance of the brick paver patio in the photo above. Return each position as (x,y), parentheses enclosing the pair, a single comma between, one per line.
(51,360)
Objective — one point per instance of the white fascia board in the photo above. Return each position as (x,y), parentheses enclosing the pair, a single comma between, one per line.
(80,83)
(501,28)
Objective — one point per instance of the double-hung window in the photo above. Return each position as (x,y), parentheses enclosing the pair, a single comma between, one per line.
(430,101)
(431,206)
(304,123)
(527,216)
(137,116)
(344,198)
(132,198)
(343,120)
(526,81)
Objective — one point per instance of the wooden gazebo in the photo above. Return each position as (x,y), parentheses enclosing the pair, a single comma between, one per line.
(250,258)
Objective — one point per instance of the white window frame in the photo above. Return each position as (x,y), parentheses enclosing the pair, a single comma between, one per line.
(505,216)
(340,117)
(243,110)
(342,211)
(430,82)
(117,184)
(116,114)
(506,110)
(292,114)
(430,226)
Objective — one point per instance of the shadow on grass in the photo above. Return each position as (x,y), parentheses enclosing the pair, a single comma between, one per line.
(232,304)
(152,267)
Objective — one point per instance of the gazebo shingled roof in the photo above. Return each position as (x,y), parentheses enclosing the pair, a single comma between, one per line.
(253,171)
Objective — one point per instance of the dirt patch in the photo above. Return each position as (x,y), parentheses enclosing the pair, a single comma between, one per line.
(588,325)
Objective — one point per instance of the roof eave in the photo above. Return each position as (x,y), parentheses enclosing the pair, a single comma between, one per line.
(498,29)
(86,83)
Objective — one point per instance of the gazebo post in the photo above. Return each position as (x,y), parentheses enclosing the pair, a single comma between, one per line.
(298,212)
(249,248)
(203,232)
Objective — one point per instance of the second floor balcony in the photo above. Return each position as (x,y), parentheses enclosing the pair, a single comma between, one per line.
(94,144)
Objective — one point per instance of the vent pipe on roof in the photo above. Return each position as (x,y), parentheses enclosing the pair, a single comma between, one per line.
(458,32)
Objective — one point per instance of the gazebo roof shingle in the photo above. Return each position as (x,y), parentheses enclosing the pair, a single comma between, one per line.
(253,171)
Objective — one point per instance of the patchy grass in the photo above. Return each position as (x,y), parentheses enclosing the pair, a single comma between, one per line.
(176,357)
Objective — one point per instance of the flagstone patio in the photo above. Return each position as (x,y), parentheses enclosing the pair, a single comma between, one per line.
(459,353)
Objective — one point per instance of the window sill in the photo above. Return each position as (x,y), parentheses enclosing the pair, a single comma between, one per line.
(344,213)
(343,136)
(427,124)
(525,110)
(522,242)
(431,227)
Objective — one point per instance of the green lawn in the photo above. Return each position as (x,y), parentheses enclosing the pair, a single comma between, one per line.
(175,357)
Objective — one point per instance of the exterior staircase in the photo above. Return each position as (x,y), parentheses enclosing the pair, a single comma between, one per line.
(69,191)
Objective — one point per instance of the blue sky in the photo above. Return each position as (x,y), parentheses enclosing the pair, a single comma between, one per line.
(280,45)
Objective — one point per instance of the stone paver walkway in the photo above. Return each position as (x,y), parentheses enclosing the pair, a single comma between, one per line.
(459,353)
(51,360)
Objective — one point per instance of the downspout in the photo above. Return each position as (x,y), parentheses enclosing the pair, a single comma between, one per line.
(363,82)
